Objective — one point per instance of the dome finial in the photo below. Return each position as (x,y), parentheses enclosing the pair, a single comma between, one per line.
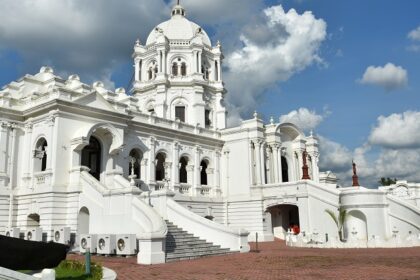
(178,10)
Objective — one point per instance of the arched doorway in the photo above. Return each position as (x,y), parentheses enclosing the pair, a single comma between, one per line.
(91,157)
(284,170)
(183,174)
(355,226)
(283,217)
(33,221)
(83,220)
(160,167)
(203,167)
(134,163)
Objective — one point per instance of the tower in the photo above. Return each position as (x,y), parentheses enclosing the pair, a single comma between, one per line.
(178,74)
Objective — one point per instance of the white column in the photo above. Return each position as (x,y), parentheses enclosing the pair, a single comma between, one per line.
(251,163)
(137,70)
(165,63)
(257,155)
(262,166)
(152,160)
(175,166)
(197,178)
(219,72)
(51,142)
(143,170)
(274,149)
(4,135)
(217,169)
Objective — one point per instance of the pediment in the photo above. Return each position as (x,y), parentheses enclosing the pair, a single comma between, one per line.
(95,100)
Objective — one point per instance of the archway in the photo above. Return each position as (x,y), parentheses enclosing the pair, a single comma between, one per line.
(355,226)
(203,167)
(91,157)
(83,220)
(160,167)
(284,170)
(40,155)
(183,174)
(33,221)
(283,217)
(135,158)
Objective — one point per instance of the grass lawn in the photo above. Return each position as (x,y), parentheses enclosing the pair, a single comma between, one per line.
(75,270)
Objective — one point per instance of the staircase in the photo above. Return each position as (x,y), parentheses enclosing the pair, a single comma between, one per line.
(181,245)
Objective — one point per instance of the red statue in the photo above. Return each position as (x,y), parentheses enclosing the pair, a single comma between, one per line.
(355,177)
(305,168)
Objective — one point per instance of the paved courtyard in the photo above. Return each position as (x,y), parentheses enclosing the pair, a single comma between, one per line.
(276,261)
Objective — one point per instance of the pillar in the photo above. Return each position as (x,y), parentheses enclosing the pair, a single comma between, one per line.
(197,178)
(219,72)
(152,148)
(175,167)
(137,70)
(217,169)
(251,163)
(258,162)
(274,149)
(262,166)
(4,135)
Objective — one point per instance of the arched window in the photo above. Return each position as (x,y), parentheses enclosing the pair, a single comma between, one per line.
(183,69)
(33,221)
(216,72)
(183,174)
(160,167)
(203,167)
(284,170)
(175,69)
(180,113)
(134,163)
(40,155)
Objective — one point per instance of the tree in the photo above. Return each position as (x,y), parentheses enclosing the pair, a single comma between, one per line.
(339,221)
(387,181)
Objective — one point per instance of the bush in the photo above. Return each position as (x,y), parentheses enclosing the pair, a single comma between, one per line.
(70,268)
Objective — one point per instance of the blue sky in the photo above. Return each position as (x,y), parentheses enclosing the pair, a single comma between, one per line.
(94,39)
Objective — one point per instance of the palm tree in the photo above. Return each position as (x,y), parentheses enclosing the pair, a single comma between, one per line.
(339,221)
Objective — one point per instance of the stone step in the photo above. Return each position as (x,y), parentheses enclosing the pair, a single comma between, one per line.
(189,246)
(181,245)
(172,258)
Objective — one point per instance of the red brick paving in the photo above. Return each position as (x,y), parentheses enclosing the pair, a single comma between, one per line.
(276,261)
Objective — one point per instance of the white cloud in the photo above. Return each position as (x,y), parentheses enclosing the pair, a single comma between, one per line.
(390,77)
(275,46)
(304,118)
(334,156)
(397,131)
(77,36)
(414,34)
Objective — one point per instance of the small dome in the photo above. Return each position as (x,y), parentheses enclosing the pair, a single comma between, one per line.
(178,28)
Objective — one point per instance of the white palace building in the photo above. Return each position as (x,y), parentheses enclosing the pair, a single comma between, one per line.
(117,170)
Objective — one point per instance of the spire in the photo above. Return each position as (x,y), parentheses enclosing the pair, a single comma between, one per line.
(355,177)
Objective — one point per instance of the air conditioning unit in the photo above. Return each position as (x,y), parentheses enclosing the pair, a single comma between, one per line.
(12,232)
(61,235)
(106,244)
(88,241)
(126,244)
(34,234)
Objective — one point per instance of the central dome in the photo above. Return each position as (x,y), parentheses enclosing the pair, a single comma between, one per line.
(178,28)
